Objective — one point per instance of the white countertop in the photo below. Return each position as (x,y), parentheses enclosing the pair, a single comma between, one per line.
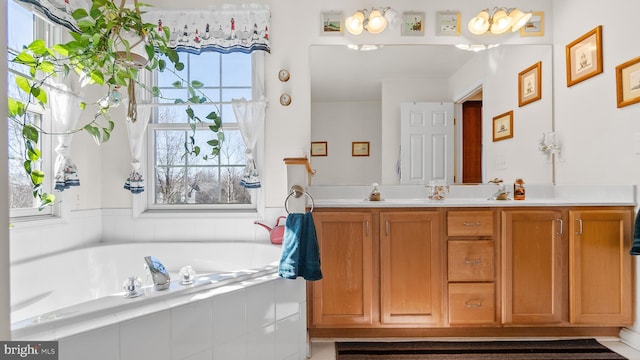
(398,196)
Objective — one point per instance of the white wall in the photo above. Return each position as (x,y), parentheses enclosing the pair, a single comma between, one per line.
(336,123)
(597,137)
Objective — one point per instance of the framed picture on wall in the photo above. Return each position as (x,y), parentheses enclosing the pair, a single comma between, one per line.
(448,23)
(530,84)
(318,148)
(331,23)
(628,82)
(360,148)
(584,57)
(412,23)
(503,126)
(534,26)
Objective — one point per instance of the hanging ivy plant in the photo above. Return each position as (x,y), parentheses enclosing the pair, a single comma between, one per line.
(103,52)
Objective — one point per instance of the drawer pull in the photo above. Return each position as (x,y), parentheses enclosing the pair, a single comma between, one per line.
(471,223)
(474,303)
(472,261)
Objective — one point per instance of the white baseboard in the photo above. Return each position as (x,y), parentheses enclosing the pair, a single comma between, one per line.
(630,337)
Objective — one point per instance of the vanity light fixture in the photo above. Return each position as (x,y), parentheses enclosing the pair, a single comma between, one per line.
(498,21)
(375,22)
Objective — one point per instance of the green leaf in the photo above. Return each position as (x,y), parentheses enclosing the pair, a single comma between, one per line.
(79,14)
(214,128)
(194,99)
(213,142)
(162,64)
(61,49)
(38,47)
(197,84)
(94,132)
(33,153)
(40,94)
(179,66)
(46,200)
(24,58)
(16,108)
(106,134)
(30,133)
(47,67)
(97,76)
(212,115)
(27,166)
(189,112)
(37,176)
(177,84)
(23,84)
(155,91)
(196,150)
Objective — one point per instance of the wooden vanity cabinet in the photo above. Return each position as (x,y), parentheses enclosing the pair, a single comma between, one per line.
(600,266)
(410,267)
(534,266)
(344,296)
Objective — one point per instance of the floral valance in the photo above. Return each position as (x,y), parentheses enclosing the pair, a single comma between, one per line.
(224,28)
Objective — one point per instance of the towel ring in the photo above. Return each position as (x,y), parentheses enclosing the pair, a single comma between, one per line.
(297,191)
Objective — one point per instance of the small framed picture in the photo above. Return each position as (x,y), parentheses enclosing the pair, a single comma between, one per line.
(412,23)
(503,126)
(331,22)
(584,57)
(318,148)
(530,84)
(360,148)
(628,82)
(448,23)
(535,25)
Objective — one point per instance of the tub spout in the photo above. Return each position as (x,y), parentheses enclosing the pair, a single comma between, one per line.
(161,278)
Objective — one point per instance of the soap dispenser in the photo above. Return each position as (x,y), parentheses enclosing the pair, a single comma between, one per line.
(375,193)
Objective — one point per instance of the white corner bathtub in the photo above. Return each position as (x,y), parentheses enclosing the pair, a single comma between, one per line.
(78,291)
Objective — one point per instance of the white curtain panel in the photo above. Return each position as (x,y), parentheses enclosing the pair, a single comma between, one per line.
(250,116)
(136,131)
(65,113)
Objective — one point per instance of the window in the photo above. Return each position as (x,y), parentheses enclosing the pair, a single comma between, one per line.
(178,181)
(22,28)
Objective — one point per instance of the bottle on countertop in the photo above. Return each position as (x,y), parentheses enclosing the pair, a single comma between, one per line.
(518,189)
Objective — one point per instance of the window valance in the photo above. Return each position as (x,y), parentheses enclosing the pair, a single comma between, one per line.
(224,28)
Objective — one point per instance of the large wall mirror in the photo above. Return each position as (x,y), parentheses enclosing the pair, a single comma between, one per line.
(357,93)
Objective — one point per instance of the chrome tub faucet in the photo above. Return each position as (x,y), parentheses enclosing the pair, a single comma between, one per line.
(160,276)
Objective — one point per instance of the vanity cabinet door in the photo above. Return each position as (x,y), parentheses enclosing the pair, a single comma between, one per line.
(533,266)
(410,267)
(344,295)
(600,267)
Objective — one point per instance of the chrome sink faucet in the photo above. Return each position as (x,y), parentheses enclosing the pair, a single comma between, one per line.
(501,193)
(160,276)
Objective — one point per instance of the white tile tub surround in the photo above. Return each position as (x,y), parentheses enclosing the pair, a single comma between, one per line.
(251,316)
(221,327)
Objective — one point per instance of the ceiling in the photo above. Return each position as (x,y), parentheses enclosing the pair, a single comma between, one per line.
(340,74)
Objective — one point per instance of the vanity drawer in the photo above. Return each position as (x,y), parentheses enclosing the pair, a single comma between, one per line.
(470,260)
(472,303)
(470,223)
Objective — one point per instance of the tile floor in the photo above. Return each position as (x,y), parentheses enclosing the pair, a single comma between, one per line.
(325,349)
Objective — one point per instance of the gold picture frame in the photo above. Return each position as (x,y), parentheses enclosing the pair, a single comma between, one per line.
(360,148)
(319,148)
(530,84)
(584,57)
(534,26)
(628,82)
(331,23)
(503,126)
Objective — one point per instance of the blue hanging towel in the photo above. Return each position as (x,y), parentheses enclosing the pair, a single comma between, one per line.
(635,246)
(300,251)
